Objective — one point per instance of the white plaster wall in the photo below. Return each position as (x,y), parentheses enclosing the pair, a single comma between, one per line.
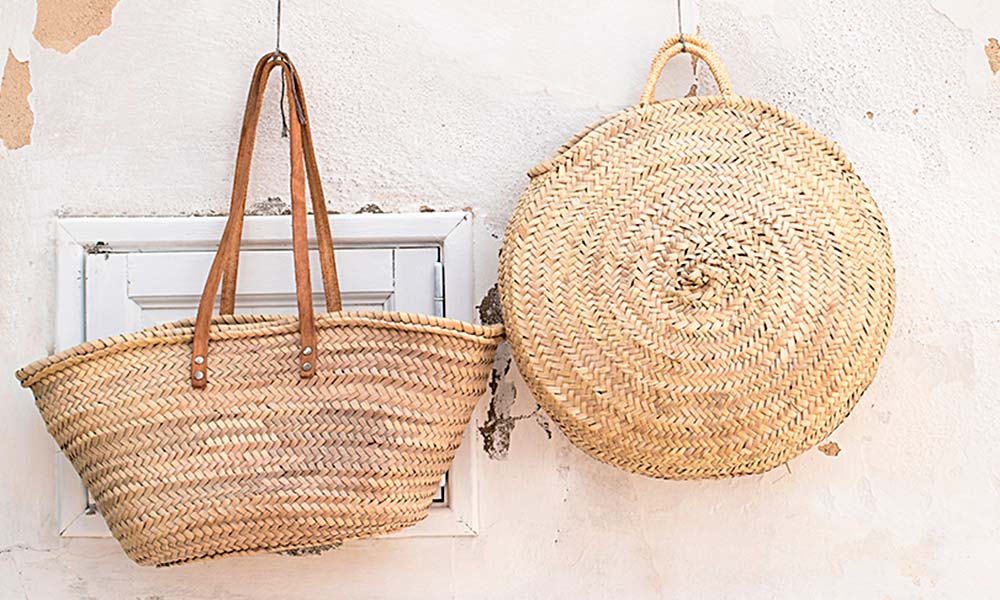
(447,104)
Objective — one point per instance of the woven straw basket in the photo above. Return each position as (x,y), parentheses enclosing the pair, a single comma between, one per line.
(312,430)
(699,287)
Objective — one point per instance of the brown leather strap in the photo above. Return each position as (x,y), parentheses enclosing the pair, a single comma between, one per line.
(241,180)
(300,237)
(227,257)
(324,239)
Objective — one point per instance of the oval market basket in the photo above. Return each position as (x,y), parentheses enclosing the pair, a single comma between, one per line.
(291,432)
(699,287)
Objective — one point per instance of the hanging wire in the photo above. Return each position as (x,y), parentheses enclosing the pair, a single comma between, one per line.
(277,35)
(680,26)
(277,51)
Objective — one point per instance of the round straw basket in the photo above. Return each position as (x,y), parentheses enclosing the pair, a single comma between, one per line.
(699,287)
(292,432)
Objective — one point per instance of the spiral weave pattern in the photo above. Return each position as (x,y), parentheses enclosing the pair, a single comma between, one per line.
(262,459)
(697,288)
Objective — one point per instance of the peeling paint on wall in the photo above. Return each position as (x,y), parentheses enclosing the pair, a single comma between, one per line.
(500,423)
(65,24)
(903,507)
(993,54)
(273,206)
(16,118)
(489,308)
(829,448)
(313,551)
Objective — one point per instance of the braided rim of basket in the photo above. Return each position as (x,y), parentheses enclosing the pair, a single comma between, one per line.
(598,129)
(698,47)
(226,327)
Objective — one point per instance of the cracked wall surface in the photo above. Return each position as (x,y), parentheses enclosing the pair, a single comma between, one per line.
(499,422)
(136,109)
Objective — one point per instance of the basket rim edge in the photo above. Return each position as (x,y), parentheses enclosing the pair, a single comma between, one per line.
(243,325)
(562,154)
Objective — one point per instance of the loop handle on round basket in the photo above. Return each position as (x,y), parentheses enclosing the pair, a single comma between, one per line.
(690,44)
(226,262)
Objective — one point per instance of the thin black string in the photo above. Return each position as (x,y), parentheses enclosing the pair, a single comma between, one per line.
(680,27)
(281,100)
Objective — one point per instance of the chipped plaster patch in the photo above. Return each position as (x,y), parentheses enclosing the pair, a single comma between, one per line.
(829,448)
(490,312)
(313,551)
(500,423)
(16,117)
(62,25)
(976,21)
(273,206)
(993,54)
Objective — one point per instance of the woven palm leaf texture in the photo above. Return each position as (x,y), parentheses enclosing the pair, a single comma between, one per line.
(698,287)
(257,433)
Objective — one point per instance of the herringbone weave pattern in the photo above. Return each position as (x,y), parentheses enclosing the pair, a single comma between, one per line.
(262,459)
(294,432)
(696,288)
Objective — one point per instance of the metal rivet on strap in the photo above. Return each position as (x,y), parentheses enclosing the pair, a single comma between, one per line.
(306,366)
(199,360)
(307,350)
(199,375)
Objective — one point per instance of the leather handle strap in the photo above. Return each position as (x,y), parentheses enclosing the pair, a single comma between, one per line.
(241,181)
(226,258)
(324,239)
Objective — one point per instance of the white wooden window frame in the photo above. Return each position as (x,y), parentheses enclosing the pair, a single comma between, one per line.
(451,232)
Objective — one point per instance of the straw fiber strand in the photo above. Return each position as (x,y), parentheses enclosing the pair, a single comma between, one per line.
(699,287)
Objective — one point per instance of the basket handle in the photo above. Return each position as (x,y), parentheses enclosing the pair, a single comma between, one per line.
(241,182)
(227,256)
(691,44)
